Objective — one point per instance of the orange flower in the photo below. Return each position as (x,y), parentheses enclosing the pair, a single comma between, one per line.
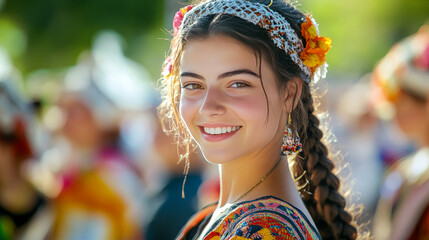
(316,48)
(308,30)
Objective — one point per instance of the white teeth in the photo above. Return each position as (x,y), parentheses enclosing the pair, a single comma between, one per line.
(220,130)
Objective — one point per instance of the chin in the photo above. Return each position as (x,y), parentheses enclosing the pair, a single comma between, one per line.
(218,156)
(219,152)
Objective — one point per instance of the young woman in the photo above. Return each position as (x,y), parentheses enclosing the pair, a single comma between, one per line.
(237,83)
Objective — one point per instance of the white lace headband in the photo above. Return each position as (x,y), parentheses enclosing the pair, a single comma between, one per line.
(311,62)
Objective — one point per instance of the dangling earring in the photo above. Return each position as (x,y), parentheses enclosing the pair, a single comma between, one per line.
(291,141)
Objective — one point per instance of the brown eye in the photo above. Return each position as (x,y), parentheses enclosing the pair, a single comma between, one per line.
(192,86)
(239,85)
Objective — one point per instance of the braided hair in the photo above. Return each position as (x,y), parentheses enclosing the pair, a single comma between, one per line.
(321,196)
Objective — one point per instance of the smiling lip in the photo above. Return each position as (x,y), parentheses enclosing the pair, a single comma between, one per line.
(218,133)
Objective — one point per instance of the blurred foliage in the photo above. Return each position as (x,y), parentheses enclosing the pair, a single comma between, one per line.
(52,33)
(362,31)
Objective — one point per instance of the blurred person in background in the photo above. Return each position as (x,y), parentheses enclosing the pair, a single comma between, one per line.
(401,82)
(100,195)
(358,129)
(20,202)
(172,207)
(369,144)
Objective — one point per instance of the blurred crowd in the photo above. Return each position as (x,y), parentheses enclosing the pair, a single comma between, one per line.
(83,154)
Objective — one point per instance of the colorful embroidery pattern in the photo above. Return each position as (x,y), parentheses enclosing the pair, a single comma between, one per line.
(263,219)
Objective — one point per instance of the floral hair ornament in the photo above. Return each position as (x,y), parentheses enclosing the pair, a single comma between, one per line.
(313,55)
(178,18)
(277,27)
(177,22)
(405,66)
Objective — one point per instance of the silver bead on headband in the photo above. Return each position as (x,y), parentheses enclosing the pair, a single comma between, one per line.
(278,28)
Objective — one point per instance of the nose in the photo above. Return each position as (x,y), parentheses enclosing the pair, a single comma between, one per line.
(213,104)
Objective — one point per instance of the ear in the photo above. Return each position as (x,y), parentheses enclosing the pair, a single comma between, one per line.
(291,94)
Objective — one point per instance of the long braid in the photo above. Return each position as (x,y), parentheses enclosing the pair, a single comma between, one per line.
(321,196)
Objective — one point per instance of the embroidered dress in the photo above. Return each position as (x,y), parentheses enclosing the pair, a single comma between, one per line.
(403,208)
(263,218)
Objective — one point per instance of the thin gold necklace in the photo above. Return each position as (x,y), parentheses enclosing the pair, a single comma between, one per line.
(254,186)
(260,181)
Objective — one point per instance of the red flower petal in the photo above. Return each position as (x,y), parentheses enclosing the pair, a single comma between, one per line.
(178,18)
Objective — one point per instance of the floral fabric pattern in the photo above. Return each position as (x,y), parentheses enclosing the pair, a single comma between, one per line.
(262,219)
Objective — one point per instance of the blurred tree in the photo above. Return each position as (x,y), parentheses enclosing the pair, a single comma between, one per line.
(58,30)
(363,31)
(52,33)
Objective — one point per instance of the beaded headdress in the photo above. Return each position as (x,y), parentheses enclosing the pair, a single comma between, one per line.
(310,58)
(406,66)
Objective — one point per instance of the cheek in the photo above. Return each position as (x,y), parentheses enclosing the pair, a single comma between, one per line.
(255,112)
(188,109)
(249,106)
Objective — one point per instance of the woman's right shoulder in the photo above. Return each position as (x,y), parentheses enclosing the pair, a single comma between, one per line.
(195,221)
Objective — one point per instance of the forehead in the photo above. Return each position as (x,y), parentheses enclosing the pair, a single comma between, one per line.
(219,52)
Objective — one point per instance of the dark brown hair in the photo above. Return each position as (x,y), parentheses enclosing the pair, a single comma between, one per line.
(321,197)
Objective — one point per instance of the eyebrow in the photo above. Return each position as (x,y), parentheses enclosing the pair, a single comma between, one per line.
(223,75)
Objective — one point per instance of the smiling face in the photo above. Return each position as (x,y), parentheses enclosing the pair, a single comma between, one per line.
(223,103)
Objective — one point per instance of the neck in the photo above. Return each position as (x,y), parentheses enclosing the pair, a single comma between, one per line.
(240,179)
